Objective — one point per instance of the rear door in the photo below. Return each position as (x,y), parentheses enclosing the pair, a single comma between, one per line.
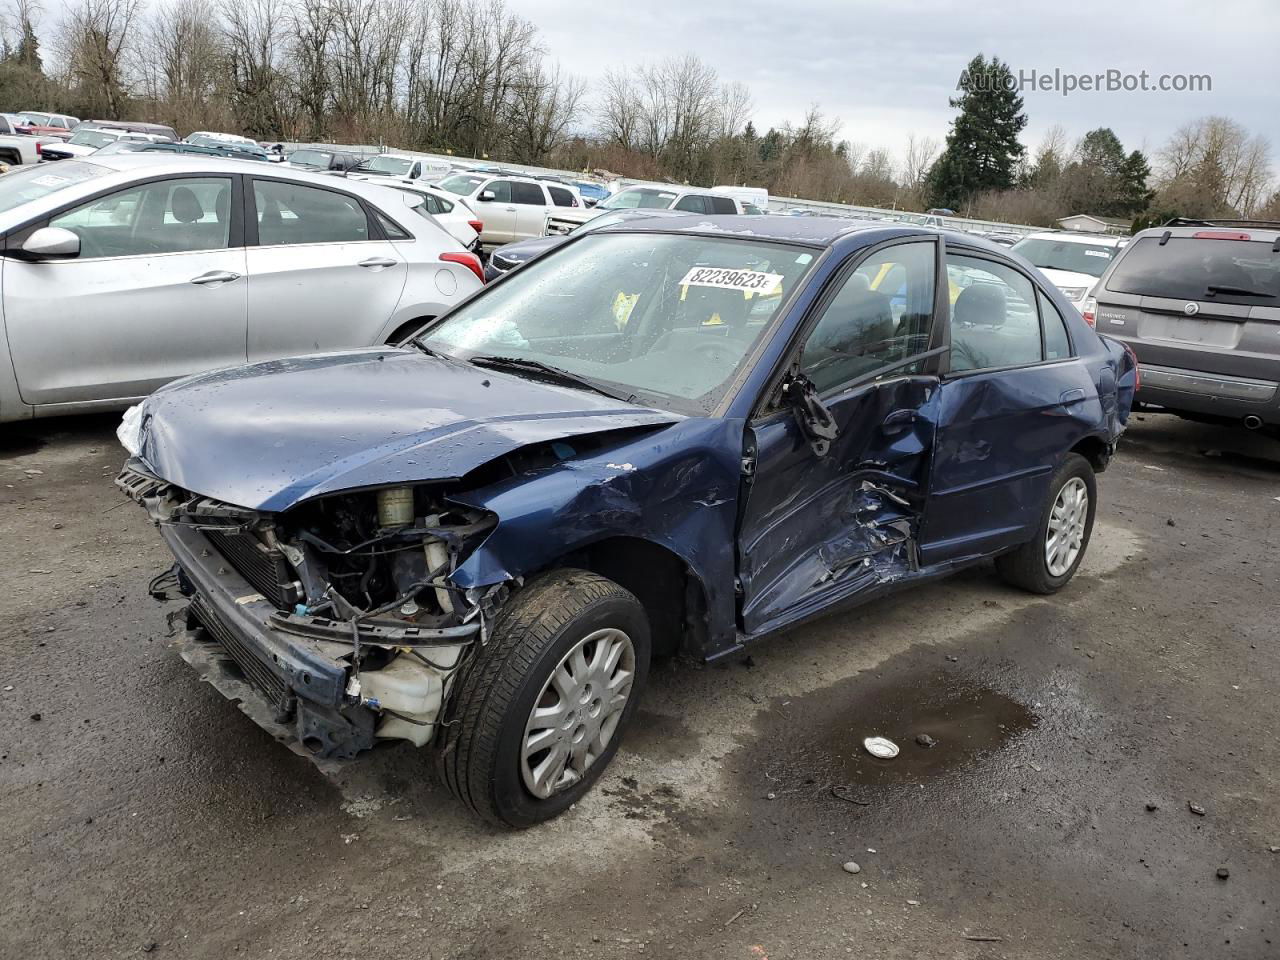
(1014,400)
(321,274)
(531,204)
(157,292)
(822,524)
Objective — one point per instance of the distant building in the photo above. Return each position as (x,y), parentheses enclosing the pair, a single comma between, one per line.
(1088,223)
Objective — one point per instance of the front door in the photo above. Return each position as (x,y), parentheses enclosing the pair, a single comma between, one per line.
(826,519)
(499,214)
(320,277)
(157,292)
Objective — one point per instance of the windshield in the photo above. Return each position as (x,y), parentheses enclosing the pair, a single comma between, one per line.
(35,119)
(666,318)
(462,183)
(639,198)
(1187,268)
(92,138)
(388,166)
(310,158)
(1090,258)
(35,181)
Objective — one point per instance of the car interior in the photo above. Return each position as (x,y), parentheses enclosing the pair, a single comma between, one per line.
(164,217)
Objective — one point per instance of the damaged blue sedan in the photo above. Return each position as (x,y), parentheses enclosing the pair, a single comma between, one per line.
(669,436)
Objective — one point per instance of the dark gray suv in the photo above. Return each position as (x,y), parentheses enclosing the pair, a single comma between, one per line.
(1199,303)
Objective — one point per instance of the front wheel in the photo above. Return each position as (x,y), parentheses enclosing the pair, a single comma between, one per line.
(1047,562)
(541,708)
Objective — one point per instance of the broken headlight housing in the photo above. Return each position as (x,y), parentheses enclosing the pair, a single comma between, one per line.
(130,430)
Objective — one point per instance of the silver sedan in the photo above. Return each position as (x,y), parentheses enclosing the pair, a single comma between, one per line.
(121,273)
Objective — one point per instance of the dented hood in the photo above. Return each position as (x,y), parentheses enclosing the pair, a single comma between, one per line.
(269,435)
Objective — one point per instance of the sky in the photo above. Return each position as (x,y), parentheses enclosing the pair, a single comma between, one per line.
(887,69)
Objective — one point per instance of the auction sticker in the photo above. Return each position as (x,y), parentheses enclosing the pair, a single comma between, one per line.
(727,279)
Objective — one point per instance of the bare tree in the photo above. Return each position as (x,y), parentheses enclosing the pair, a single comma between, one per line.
(544,105)
(95,41)
(255,38)
(183,65)
(921,152)
(1213,166)
(618,113)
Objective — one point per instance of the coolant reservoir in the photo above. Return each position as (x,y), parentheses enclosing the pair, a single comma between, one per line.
(409,687)
(395,507)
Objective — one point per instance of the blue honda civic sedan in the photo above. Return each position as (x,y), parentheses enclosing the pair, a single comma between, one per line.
(677,435)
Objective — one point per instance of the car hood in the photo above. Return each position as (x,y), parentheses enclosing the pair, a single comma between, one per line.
(528,249)
(1068,278)
(269,435)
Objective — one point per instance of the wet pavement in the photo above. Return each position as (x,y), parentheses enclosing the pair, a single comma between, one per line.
(142,814)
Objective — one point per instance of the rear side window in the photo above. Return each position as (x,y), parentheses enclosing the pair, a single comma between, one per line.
(1190,268)
(561,197)
(292,213)
(722,205)
(1056,343)
(529,194)
(994,320)
(692,203)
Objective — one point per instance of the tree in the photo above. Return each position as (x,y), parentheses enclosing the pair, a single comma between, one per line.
(96,45)
(1213,167)
(1133,196)
(982,149)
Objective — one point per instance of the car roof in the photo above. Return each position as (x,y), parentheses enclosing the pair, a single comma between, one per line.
(812,231)
(1265,231)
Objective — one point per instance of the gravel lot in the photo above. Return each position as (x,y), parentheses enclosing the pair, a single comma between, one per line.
(140,812)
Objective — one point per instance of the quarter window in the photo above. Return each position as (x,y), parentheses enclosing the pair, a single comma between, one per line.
(994,321)
(167,216)
(881,314)
(291,213)
(1056,342)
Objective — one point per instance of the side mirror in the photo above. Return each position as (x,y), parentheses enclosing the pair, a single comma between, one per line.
(487,196)
(590,201)
(815,420)
(52,243)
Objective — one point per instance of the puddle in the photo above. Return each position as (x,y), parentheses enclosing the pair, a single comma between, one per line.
(966,719)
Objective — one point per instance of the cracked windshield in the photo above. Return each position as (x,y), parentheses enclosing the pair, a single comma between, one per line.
(665,319)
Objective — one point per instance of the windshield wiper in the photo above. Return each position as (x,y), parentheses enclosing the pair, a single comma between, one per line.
(521,365)
(1214,289)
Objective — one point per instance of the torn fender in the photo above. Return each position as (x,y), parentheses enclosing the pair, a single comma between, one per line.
(677,488)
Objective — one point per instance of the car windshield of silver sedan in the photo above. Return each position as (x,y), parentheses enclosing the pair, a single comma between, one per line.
(35,181)
(668,319)
(386,166)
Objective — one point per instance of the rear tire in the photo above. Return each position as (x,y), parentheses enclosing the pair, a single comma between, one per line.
(493,756)
(1036,566)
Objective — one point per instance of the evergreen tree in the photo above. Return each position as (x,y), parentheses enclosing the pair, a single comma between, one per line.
(982,150)
(1133,195)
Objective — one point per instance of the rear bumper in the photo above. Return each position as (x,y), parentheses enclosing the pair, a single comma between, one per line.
(1210,394)
(293,687)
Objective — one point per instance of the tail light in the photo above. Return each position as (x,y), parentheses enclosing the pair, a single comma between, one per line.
(476,225)
(468,260)
(39,148)
(1219,235)
(1090,312)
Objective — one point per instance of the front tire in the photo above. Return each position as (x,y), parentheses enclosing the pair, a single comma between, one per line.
(541,708)
(1047,562)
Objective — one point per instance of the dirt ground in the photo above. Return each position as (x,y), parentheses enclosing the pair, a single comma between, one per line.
(141,813)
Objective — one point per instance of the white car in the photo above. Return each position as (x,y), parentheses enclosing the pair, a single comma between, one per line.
(207,137)
(1073,262)
(450,211)
(85,142)
(394,168)
(647,197)
(512,208)
(124,272)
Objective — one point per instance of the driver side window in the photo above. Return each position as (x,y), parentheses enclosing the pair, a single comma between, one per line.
(881,314)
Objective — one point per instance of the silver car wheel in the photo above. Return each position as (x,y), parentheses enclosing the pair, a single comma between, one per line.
(1067,520)
(577,712)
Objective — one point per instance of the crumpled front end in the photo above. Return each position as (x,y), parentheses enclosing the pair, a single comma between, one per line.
(334,624)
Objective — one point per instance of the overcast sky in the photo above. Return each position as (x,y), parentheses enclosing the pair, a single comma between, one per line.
(887,68)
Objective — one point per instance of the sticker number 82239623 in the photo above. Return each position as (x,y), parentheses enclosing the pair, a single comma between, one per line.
(731,279)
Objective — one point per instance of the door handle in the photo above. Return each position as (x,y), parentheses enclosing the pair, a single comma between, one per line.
(378,262)
(898,421)
(216,276)
(1071,396)
(511,209)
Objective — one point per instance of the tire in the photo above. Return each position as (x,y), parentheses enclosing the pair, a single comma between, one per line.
(483,757)
(1029,565)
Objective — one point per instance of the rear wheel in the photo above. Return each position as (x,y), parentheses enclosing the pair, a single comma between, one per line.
(541,708)
(1046,563)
